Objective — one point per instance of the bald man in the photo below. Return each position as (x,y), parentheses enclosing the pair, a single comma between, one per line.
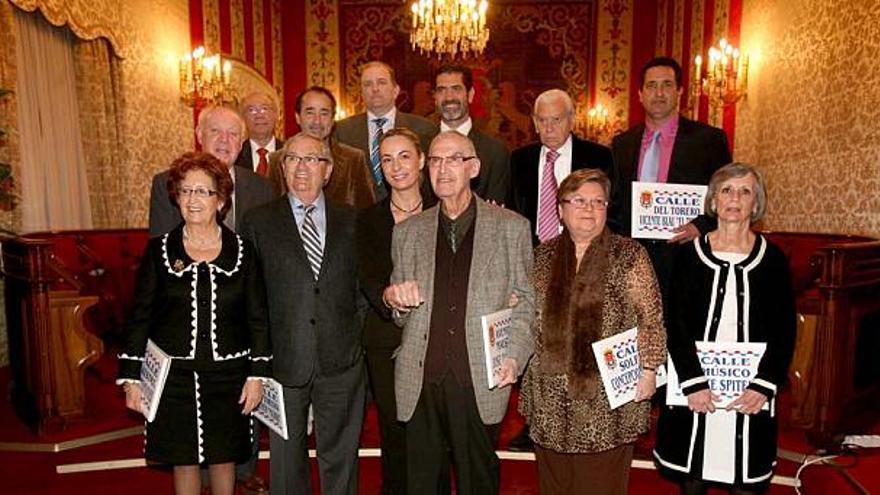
(220,132)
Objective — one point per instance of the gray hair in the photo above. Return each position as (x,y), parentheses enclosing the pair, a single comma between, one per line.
(262,95)
(736,170)
(325,146)
(457,135)
(209,111)
(555,94)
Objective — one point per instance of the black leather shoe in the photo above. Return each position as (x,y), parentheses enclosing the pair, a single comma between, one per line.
(521,442)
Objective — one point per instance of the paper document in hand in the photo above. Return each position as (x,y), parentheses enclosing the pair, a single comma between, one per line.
(271,409)
(620,366)
(658,208)
(154,372)
(729,368)
(496,341)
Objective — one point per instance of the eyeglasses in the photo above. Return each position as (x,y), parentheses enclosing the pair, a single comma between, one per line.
(455,160)
(310,160)
(199,192)
(260,109)
(581,203)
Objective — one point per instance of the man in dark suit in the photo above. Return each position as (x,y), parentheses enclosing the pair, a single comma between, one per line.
(453,93)
(260,113)
(306,247)
(685,151)
(531,177)
(220,132)
(364,130)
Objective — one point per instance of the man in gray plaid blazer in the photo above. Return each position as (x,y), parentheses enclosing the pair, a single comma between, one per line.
(453,264)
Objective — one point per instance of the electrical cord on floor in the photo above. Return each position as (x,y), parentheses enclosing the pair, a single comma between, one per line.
(846,451)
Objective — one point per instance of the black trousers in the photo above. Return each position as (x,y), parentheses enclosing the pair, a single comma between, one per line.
(446,420)
(392,432)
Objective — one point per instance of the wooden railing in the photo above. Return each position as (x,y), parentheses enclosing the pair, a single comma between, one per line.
(63,291)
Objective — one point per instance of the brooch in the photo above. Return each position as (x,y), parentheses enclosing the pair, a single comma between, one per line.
(178,266)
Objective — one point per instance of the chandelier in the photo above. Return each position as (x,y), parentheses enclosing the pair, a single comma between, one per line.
(204,79)
(449,27)
(726,79)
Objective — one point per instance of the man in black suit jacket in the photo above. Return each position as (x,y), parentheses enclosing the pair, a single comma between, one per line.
(690,152)
(220,131)
(260,113)
(380,92)
(453,93)
(554,119)
(306,247)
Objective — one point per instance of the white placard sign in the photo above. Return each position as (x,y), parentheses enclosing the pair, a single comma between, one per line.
(729,368)
(154,372)
(659,208)
(496,340)
(271,409)
(620,366)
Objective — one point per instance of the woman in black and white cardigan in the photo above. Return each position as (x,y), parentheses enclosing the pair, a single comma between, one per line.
(728,285)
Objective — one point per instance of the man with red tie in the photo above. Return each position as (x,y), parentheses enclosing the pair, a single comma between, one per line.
(537,169)
(260,114)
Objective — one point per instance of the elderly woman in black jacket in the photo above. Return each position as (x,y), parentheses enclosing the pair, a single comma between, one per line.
(730,285)
(200,299)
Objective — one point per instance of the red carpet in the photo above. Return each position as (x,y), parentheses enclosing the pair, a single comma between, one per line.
(35,473)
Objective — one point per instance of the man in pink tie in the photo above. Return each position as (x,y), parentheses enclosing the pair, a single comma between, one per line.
(260,113)
(667,147)
(538,168)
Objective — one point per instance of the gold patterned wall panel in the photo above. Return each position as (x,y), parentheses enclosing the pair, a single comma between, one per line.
(614,48)
(810,121)
(9,144)
(88,19)
(322,44)
(156,126)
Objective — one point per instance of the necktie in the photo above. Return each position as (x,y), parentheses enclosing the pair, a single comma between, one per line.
(651,162)
(548,215)
(311,240)
(374,149)
(263,165)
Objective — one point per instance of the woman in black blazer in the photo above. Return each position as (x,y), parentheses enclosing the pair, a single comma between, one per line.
(402,161)
(200,299)
(730,285)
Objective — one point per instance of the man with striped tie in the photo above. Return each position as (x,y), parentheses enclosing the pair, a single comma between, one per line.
(306,247)
(364,130)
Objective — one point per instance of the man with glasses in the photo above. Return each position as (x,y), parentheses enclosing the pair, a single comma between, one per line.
(453,94)
(537,169)
(667,147)
(306,247)
(260,114)
(220,132)
(454,263)
(364,130)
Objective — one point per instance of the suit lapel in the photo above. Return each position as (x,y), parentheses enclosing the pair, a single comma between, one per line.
(680,151)
(242,186)
(333,234)
(362,134)
(288,230)
(486,236)
(427,243)
(630,165)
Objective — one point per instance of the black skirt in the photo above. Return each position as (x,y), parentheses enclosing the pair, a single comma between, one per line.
(199,419)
